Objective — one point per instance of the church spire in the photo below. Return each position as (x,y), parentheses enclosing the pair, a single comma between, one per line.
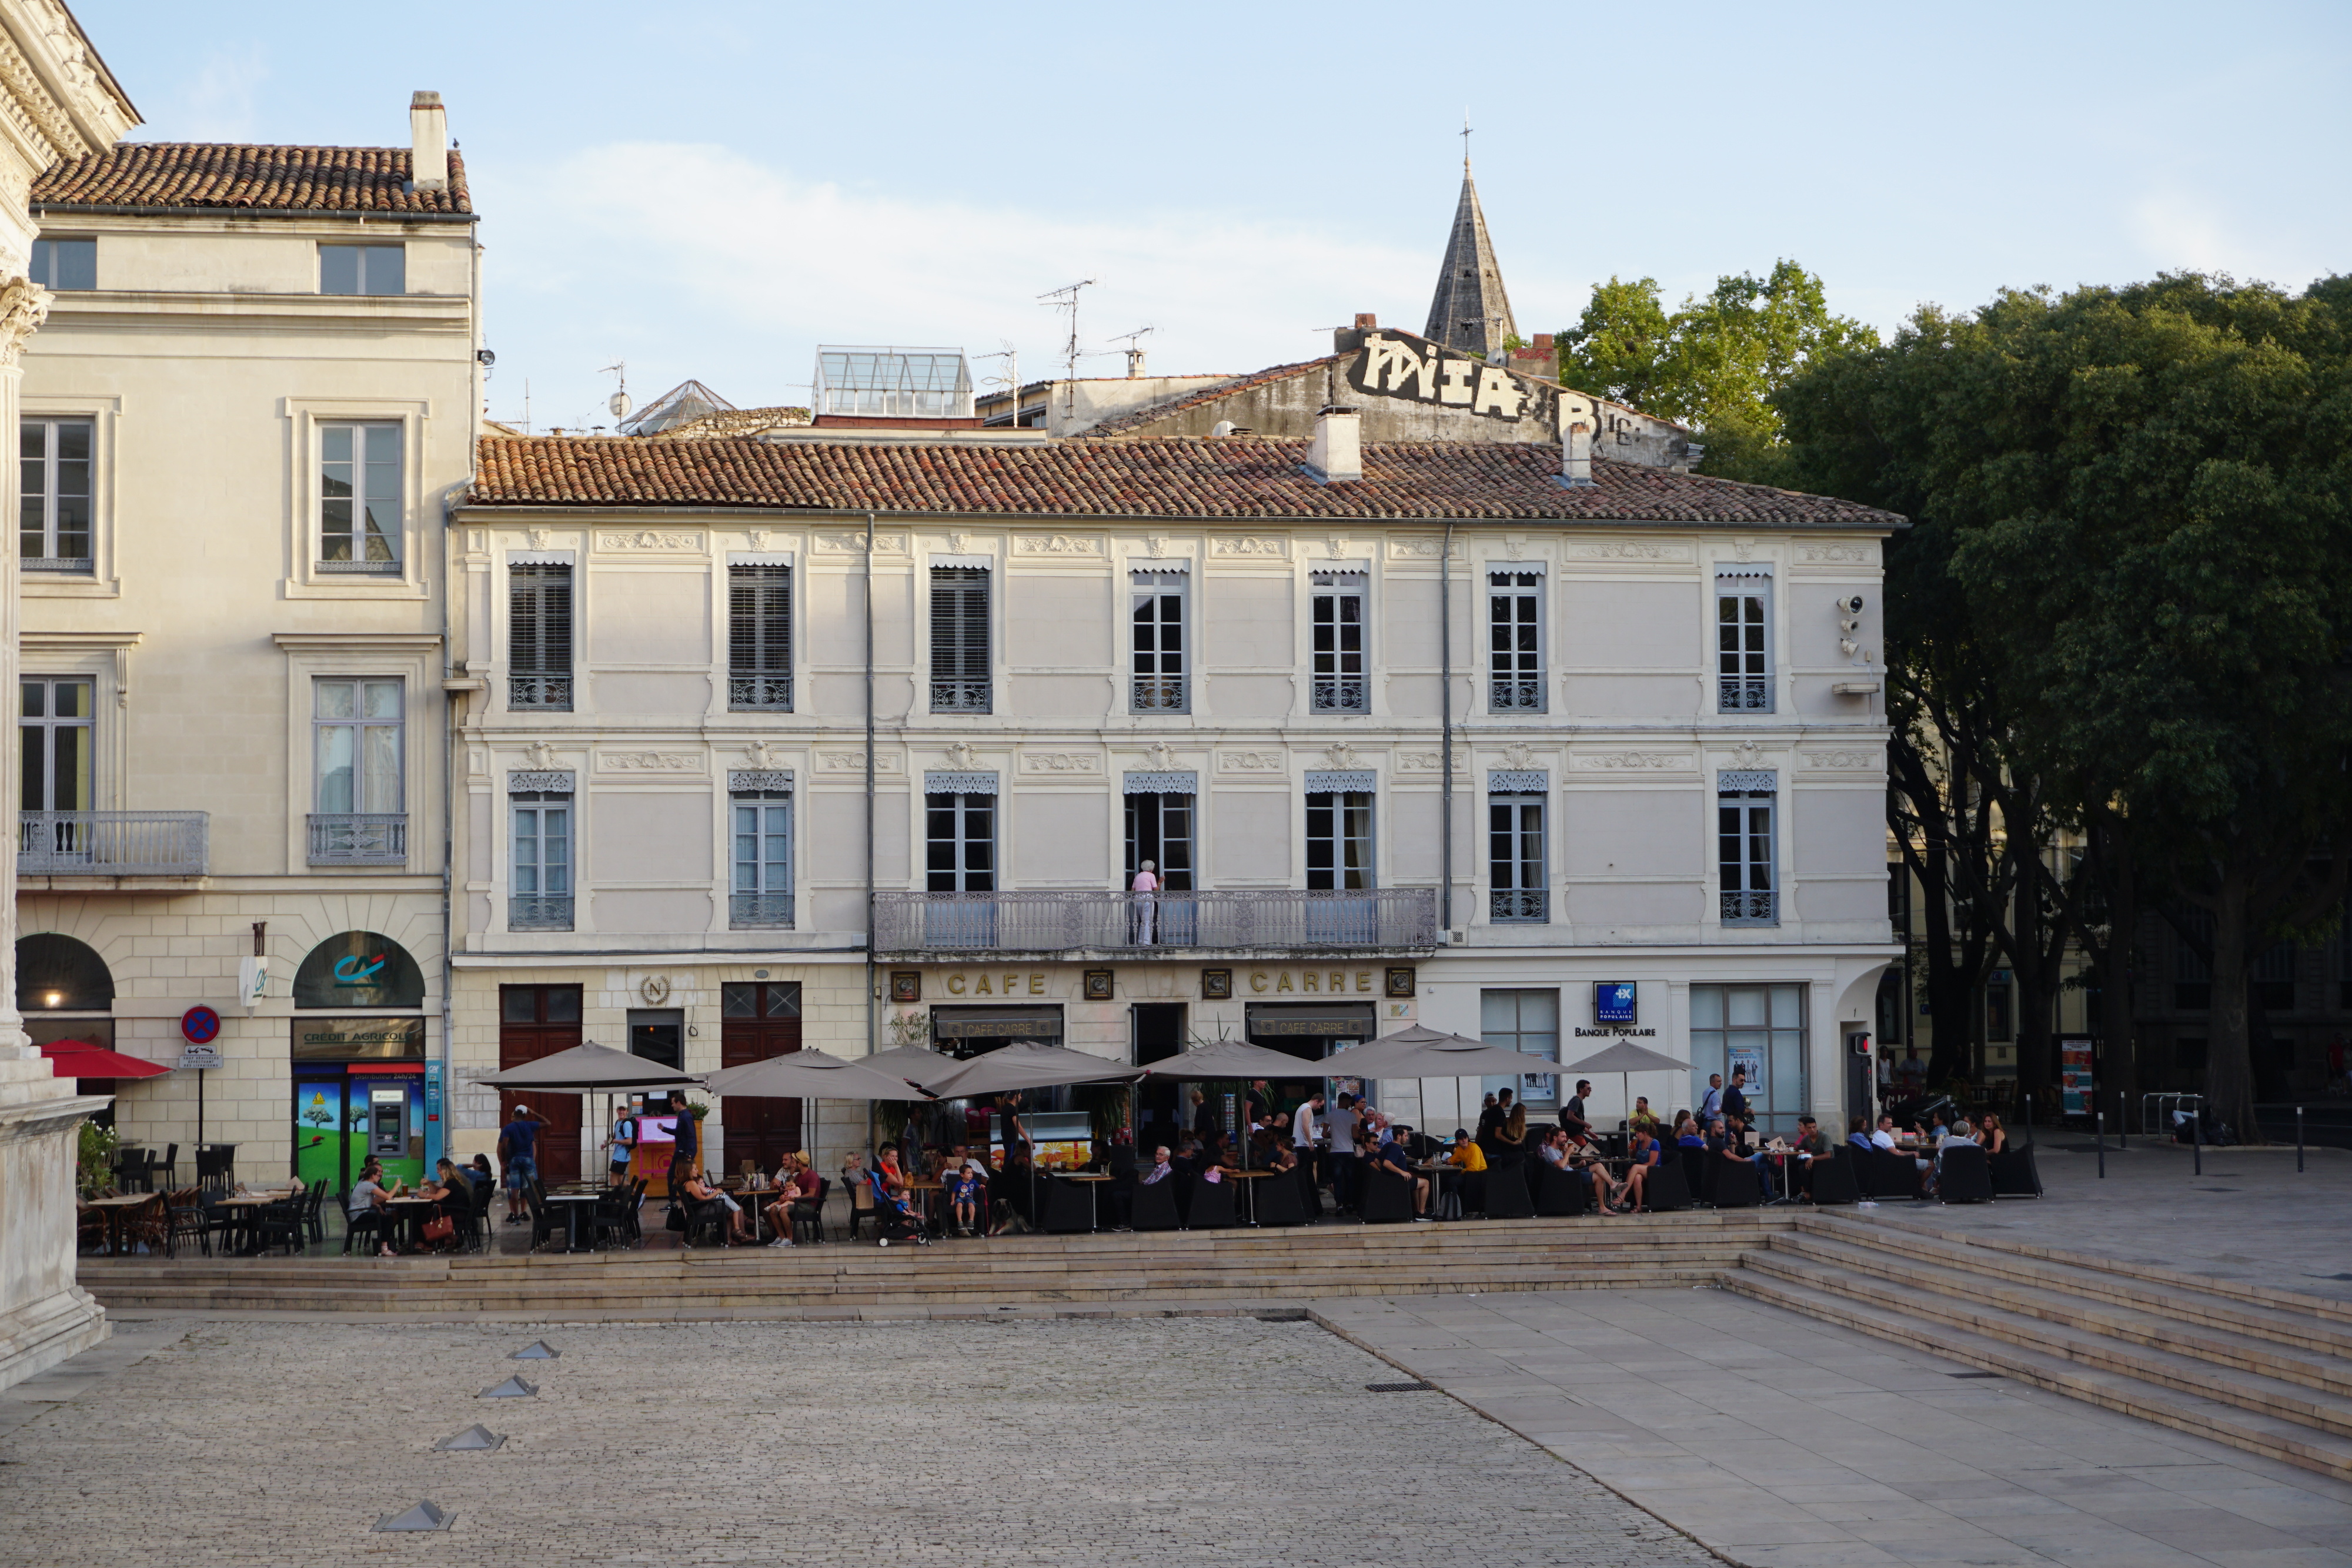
(1470,310)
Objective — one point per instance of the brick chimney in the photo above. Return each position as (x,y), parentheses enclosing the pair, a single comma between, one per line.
(428,140)
(1337,452)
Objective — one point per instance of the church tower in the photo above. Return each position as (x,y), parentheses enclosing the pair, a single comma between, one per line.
(1470,310)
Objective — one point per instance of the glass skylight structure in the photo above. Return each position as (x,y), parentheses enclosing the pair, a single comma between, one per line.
(893,383)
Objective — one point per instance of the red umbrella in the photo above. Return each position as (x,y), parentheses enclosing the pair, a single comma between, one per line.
(87,1059)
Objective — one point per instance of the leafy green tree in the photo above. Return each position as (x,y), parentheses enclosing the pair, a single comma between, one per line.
(1619,348)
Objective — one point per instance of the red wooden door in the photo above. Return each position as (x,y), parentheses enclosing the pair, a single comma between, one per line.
(758,1020)
(536,1021)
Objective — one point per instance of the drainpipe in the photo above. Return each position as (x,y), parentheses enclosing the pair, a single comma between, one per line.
(872,1023)
(1445,731)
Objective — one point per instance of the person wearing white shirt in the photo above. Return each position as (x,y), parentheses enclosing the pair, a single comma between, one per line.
(1145,891)
(1710,1104)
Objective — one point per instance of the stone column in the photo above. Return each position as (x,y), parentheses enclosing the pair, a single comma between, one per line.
(44,1317)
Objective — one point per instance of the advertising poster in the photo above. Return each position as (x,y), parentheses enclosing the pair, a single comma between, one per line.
(1752,1060)
(2076,1072)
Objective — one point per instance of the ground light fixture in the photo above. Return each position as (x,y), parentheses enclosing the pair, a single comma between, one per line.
(475,1439)
(513,1388)
(537,1350)
(424,1516)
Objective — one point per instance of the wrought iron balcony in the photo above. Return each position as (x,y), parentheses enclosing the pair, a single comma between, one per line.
(961,696)
(1159,693)
(1506,696)
(1389,919)
(359,837)
(760,911)
(539,912)
(112,843)
(1750,908)
(1743,694)
(550,691)
(751,691)
(1345,693)
(1529,906)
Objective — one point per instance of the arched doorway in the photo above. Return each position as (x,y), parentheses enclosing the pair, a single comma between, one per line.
(65,991)
(358,1053)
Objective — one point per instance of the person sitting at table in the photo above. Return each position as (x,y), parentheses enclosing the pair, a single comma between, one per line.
(364,1210)
(1646,1153)
(1812,1145)
(1469,1163)
(1555,1146)
(1994,1135)
(965,1194)
(699,1192)
(1282,1160)
(1687,1133)
(796,1190)
(1728,1141)
(1857,1135)
(1391,1157)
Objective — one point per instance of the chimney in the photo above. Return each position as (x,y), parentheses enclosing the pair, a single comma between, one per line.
(428,140)
(1577,418)
(1336,453)
(1366,322)
(1543,344)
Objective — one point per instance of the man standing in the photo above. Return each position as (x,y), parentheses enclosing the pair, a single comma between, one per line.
(1710,1104)
(1571,1115)
(517,1151)
(1735,1099)
(1306,1124)
(684,1153)
(1340,1128)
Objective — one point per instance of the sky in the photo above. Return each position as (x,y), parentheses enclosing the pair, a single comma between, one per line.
(712,191)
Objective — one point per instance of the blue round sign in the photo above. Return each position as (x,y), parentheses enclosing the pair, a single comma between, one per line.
(199,1026)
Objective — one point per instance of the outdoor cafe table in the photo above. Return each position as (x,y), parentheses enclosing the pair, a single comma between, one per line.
(1093,1180)
(1243,1176)
(574,1205)
(114,1208)
(241,1205)
(411,1212)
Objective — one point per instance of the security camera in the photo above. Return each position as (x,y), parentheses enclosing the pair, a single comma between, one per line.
(1850,606)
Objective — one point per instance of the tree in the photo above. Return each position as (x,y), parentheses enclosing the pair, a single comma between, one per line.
(1713,365)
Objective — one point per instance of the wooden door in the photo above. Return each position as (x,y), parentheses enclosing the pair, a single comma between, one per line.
(759,1019)
(536,1021)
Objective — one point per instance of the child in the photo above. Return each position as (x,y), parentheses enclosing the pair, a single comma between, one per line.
(963,1191)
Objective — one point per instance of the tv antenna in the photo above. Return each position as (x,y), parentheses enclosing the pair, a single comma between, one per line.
(1066,300)
(619,402)
(1134,350)
(1011,379)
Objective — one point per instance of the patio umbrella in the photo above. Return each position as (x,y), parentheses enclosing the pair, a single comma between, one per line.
(814,1076)
(915,1063)
(592,1068)
(1419,1052)
(1237,1060)
(1027,1064)
(1626,1059)
(87,1058)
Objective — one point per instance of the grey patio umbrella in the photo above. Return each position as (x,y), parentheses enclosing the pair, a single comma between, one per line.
(592,1069)
(814,1076)
(915,1063)
(1025,1064)
(1237,1060)
(1626,1059)
(1419,1052)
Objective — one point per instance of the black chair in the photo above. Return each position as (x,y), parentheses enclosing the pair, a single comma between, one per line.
(1069,1208)
(1737,1184)
(477,1226)
(1388,1196)
(2013,1175)
(1559,1193)
(187,1222)
(168,1167)
(1508,1196)
(314,1216)
(1833,1179)
(1280,1199)
(1155,1205)
(1697,1171)
(1213,1205)
(1963,1176)
(545,1223)
(808,1214)
(1665,1189)
(1893,1174)
(279,1224)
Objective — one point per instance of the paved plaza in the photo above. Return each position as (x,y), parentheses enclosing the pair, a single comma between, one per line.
(1165,1443)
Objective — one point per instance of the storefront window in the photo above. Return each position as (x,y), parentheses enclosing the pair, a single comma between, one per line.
(1761,1029)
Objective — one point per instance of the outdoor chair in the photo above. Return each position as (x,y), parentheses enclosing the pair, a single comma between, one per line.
(314,1212)
(1833,1179)
(366,1228)
(1665,1189)
(1508,1196)
(1694,1165)
(1280,1201)
(168,1167)
(1962,1175)
(1388,1196)
(609,1220)
(1155,1205)
(475,1228)
(808,1215)
(187,1220)
(543,1223)
(2013,1175)
(131,1172)
(862,1210)
(1559,1193)
(1069,1208)
(1893,1175)
(90,1229)
(1213,1205)
(279,1223)
(1737,1184)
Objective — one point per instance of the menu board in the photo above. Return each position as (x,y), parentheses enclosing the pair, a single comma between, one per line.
(2074,1072)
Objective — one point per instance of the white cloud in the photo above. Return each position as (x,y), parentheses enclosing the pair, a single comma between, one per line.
(703,262)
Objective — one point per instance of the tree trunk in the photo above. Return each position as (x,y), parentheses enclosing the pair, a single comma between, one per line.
(2119,1051)
(2229,1062)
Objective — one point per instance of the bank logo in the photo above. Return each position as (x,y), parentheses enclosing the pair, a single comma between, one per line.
(1612,1002)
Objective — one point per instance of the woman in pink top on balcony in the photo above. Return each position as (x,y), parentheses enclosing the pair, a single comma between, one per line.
(1144,889)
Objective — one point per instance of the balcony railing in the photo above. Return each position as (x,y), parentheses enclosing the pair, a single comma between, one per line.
(112,843)
(1751,909)
(359,837)
(552,692)
(760,911)
(1344,695)
(961,696)
(1743,694)
(1389,919)
(753,691)
(1159,693)
(539,912)
(1513,695)
(1524,904)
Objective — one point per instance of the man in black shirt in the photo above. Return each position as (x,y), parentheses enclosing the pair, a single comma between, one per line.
(683,1153)
(1571,1115)
(1735,1099)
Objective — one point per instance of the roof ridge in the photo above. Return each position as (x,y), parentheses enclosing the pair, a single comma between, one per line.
(1166,406)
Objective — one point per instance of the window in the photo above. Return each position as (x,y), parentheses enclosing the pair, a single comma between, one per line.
(1743,661)
(1761,1029)
(65,263)
(363,269)
(960,857)
(541,900)
(1340,840)
(1898,899)
(1514,642)
(54,503)
(1528,1022)
(1743,814)
(759,637)
(1514,858)
(538,636)
(58,749)
(1157,612)
(1337,648)
(1159,827)
(359,498)
(960,640)
(761,839)
(360,817)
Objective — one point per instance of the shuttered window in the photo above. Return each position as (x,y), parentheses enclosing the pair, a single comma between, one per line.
(538,637)
(759,637)
(959,671)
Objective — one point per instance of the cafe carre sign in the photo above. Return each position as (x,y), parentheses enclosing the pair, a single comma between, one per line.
(1409,368)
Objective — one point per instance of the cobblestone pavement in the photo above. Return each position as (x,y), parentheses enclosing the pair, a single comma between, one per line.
(1175,1443)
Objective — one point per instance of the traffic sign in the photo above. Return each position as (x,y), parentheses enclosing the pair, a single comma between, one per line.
(200,1026)
(200,1056)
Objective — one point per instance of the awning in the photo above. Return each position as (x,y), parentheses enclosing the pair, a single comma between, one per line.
(1273,1018)
(87,1058)
(996,1023)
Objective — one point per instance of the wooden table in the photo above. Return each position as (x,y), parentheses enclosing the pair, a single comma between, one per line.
(115,1208)
(1251,1191)
(244,1203)
(411,1212)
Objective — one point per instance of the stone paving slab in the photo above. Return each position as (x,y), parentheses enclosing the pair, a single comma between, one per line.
(1783,1442)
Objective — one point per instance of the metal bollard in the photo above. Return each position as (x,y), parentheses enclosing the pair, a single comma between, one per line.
(2298,1140)
(2197,1137)
(2099,1133)
(2123,1127)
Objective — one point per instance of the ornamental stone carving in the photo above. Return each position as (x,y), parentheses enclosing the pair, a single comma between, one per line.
(1855,759)
(648,540)
(1251,546)
(1342,755)
(649,762)
(1426,761)
(1248,762)
(1060,762)
(1630,761)
(1628,549)
(961,753)
(24,306)
(1846,555)
(855,544)
(1057,544)
(1420,549)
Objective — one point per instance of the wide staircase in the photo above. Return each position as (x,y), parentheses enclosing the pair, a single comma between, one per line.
(1189,1270)
(2264,1370)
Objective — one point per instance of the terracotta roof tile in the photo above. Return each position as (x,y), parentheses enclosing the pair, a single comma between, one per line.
(232,177)
(1238,477)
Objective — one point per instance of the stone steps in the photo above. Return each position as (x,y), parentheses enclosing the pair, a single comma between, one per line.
(2089,1333)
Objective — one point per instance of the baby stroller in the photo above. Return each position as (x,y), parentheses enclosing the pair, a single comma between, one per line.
(894,1219)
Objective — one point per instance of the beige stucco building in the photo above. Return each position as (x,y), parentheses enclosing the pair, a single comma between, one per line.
(255,391)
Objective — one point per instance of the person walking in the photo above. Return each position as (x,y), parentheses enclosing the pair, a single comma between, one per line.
(686,1153)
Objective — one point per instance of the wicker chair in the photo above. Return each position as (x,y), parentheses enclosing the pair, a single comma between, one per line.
(188,1222)
(149,1225)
